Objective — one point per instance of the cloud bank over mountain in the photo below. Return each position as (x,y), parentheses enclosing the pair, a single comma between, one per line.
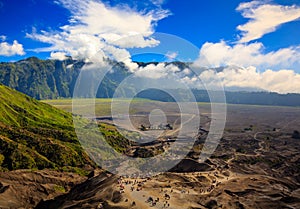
(97,31)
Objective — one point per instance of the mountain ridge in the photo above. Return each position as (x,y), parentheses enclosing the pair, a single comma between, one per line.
(52,79)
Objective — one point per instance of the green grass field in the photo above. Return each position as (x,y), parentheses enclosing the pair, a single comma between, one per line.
(102,106)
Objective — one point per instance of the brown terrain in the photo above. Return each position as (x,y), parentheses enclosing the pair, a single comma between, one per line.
(256,165)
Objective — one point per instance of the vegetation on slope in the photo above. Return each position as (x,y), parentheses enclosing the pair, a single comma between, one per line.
(49,79)
(36,135)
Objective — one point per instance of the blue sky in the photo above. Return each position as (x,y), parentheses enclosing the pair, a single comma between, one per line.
(194,20)
(260,34)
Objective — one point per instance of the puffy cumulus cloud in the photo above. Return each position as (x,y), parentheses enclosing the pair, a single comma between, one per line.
(7,49)
(120,21)
(221,54)
(58,56)
(158,71)
(264,18)
(282,81)
(120,55)
(187,71)
(80,46)
(99,29)
(131,41)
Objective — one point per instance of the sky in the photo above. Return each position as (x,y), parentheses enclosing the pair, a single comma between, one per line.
(257,41)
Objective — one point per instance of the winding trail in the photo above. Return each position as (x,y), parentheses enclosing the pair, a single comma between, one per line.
(257,151)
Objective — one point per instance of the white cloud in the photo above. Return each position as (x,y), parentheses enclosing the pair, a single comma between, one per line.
(70,66)
(221,54)
(132,41)
(171,55)
(282,81)
(101,19)
(98,29)
(2,38)
(243,56)
(158,71)
(264,18)
(186,71)
(58,56)
(7,49)
(158,2)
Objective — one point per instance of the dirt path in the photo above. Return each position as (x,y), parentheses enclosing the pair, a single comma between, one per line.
(260,143)
(256,151)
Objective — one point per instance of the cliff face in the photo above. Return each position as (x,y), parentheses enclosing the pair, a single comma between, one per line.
(48,79)
(40,79)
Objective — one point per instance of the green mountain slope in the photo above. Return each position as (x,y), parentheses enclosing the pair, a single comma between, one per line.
(37,135)
(48,79)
